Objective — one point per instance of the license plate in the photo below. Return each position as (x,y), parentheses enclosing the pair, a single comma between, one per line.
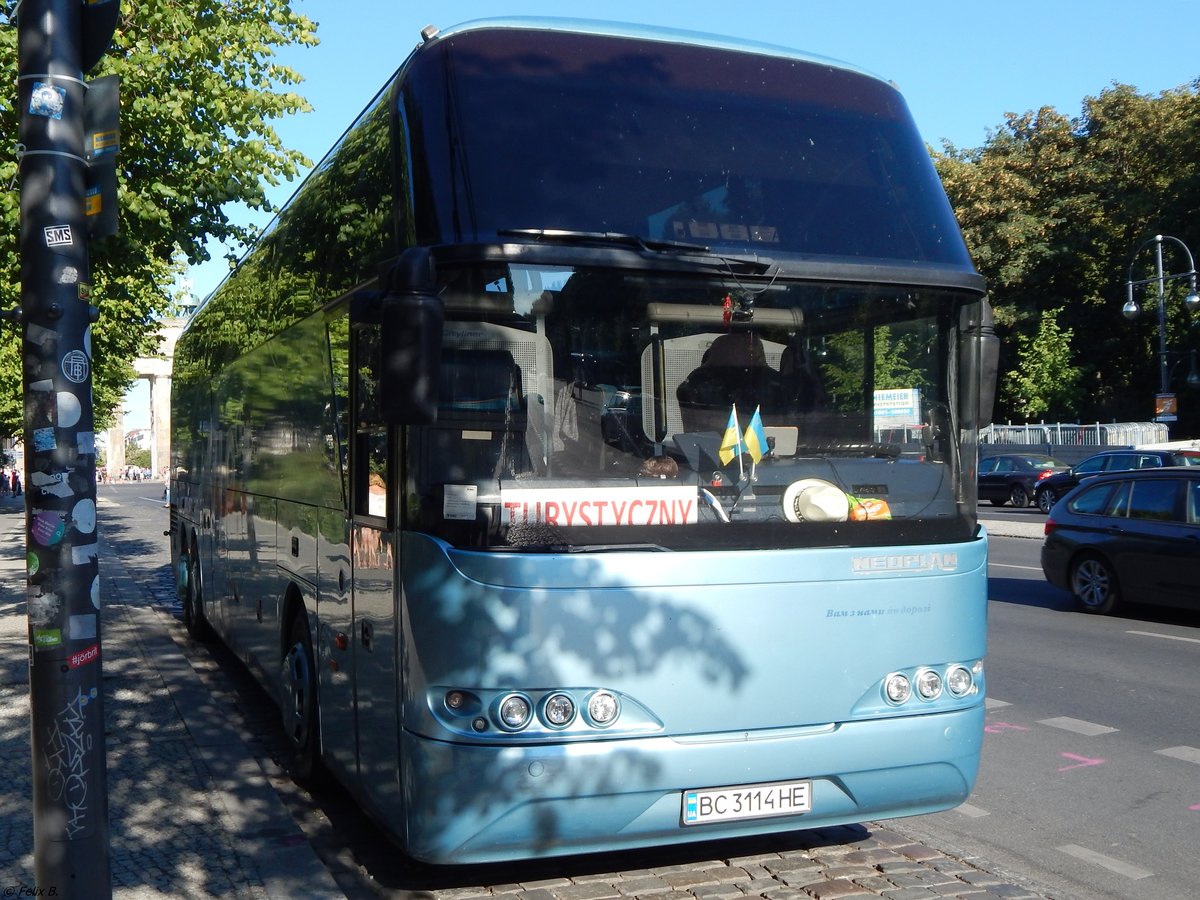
(746,801)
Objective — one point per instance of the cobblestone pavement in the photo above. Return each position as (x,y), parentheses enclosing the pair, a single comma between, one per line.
(191,813)
(200,807)
(852,862)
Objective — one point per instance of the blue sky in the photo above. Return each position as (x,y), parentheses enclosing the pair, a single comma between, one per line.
(961,64)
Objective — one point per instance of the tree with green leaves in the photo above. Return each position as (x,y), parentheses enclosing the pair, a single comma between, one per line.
(200,87)
(1044,383)
(1053,210)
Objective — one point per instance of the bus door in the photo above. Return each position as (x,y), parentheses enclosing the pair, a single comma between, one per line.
(334,642)
(373,553)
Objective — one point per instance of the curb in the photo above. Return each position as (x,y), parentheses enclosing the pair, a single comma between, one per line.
(1008,528)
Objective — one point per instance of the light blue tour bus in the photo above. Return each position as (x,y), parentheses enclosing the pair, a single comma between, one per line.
(531,456)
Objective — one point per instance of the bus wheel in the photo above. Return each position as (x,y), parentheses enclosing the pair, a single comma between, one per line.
(193,599)
(298,699)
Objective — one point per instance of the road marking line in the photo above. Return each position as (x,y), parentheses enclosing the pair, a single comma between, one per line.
(1080,761)
(1187,754)
(1078,726)
(991,703)
(1107,862)
(1169,637)
(971,812)
(996,565)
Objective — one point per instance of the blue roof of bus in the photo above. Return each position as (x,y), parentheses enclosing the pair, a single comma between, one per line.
(652,33)
(618,29)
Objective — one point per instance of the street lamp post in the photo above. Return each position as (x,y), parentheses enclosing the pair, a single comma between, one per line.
(1131,310)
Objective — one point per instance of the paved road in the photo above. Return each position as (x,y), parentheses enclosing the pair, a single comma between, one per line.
(1092,757)
(201,806)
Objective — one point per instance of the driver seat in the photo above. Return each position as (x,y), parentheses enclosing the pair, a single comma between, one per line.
(734,369)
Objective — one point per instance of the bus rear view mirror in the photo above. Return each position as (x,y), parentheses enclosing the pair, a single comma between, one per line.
(989,364)
(979,353)
(411,337)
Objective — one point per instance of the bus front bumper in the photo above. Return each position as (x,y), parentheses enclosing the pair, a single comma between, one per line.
(478,803)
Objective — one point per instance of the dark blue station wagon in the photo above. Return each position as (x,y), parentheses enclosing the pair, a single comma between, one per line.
(1128,536)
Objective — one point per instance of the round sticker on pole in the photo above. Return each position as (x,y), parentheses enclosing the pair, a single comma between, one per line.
(83,516)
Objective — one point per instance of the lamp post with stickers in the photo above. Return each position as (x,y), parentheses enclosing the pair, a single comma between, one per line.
(57,40)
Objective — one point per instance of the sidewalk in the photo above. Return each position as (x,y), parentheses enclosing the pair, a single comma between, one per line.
(191,812)
(1035,528)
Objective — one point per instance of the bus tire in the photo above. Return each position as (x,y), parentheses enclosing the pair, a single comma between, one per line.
(194,619)
(298,700)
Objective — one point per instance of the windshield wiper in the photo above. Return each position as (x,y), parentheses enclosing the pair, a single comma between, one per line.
(566,236)
(753,263)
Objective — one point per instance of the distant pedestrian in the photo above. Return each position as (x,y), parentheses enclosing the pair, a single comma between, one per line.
(4,483)
(16,483)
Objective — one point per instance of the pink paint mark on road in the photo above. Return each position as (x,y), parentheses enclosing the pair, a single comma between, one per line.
(998,727)
(1080,762)
(1195,807)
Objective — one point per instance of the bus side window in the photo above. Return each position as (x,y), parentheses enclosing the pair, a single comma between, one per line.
(371,437)
(337,437)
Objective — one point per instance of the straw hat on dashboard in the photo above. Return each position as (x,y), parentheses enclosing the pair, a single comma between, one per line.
(815,500)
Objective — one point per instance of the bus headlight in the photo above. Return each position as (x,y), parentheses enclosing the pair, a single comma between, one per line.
(558,710)
(602,708)
(897,687)
(929,684)
(959,681)
(514,711)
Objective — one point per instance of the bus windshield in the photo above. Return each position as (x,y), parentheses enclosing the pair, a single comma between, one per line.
(670,141)
(586,408)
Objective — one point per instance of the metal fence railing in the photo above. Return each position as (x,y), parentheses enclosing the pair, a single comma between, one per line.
(1123,434)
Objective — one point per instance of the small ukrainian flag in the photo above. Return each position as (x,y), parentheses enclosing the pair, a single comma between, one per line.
(756,439)
(731,443)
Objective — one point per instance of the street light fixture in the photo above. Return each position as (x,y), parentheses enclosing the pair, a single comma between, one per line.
(1191,302)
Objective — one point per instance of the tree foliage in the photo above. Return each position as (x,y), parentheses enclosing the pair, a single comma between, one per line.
(200,87)
(1044,378)
(1054,210)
